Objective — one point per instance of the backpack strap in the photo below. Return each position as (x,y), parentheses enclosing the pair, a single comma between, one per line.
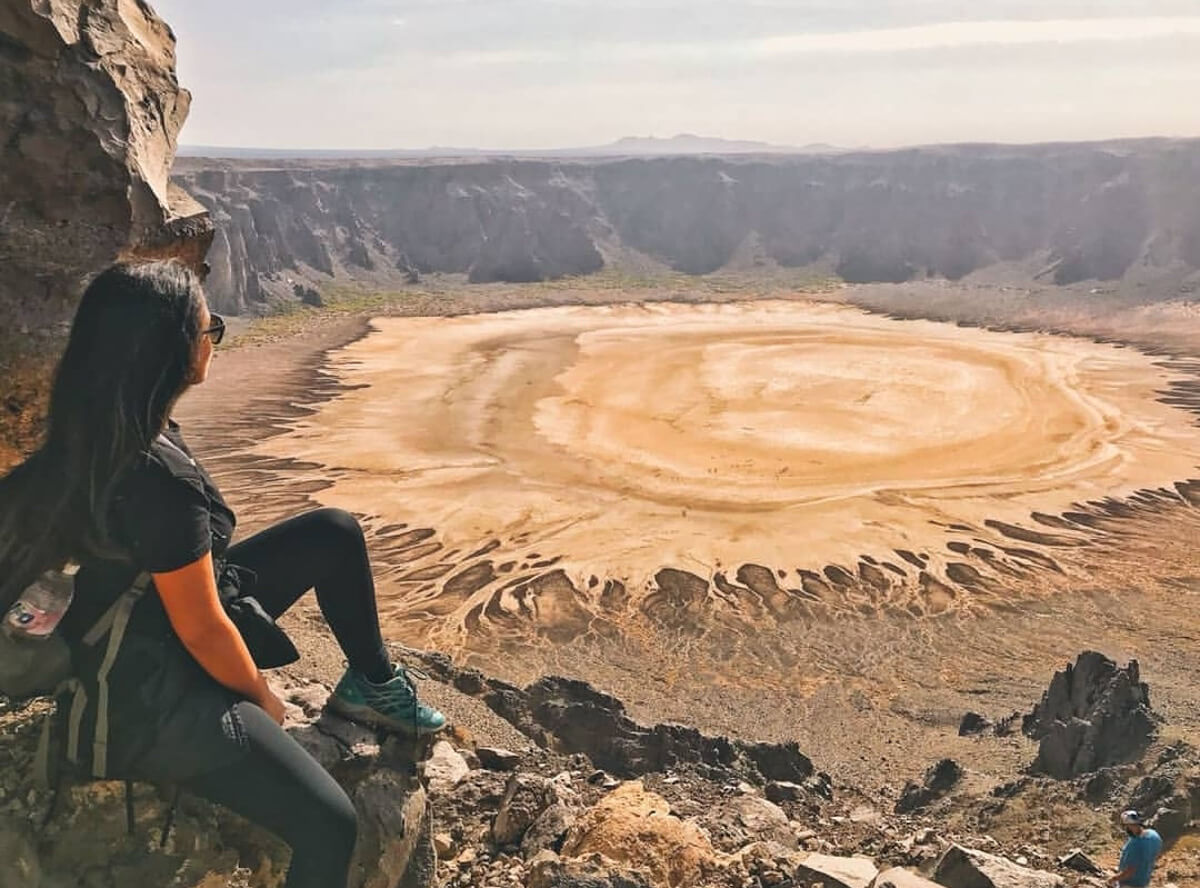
(115,621)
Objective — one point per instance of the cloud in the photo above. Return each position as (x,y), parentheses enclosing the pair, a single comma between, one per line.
(919,38)
(985,33)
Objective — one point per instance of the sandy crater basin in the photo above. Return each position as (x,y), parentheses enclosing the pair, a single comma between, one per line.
(630,437)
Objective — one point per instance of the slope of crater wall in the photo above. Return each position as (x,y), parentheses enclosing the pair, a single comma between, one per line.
(1060,214)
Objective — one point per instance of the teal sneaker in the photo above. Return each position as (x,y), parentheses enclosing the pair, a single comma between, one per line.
(392,705)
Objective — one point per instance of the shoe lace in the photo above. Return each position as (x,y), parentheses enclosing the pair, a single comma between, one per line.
(409,672)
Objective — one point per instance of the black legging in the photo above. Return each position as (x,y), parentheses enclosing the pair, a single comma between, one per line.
(277,784)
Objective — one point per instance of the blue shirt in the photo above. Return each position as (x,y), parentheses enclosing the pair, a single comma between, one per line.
(1141,853)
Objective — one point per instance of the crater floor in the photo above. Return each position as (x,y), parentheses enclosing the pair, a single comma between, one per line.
(615,441)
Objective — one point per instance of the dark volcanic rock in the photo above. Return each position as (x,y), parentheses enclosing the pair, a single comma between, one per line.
(973,723)
(1080,862)
(939,780)
(1169,796)
(585,720)
(1093,714)
(574,717)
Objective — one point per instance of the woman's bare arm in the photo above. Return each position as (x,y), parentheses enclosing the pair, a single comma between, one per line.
(193,606)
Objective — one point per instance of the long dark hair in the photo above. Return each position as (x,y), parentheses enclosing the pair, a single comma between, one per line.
(128,359)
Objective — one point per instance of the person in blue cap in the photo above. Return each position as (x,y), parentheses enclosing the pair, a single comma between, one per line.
(1139,854)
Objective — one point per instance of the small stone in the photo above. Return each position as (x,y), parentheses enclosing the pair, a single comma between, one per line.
(1075,859)
(865,814)
(820,784)
(603,779)
(311,698)
(445,769)
(495,758)
(973,723)
(443,845)
(783,791)
(939,779)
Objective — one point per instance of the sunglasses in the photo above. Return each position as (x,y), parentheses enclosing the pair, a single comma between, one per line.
(216,332)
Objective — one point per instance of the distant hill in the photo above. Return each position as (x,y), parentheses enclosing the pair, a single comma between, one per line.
(629,146)
(686,143)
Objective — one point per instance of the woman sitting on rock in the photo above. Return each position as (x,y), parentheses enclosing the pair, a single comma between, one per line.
(166,687)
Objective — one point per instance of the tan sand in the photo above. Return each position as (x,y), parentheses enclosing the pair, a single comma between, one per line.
(622,439)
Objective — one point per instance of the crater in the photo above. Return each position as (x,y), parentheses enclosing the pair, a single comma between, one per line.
(801,439)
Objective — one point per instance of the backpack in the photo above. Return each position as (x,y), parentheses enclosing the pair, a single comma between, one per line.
(33,665)
(35,661)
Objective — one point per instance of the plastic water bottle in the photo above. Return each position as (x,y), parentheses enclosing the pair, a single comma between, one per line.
(39,610)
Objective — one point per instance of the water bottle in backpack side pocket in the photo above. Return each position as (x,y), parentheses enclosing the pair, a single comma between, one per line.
(39,610)
(34,658)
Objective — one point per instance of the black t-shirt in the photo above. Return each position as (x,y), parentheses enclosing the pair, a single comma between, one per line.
(166,513)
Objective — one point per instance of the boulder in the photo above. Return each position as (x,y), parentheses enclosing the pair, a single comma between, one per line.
(1093,714)
(635,828)
(548,830)
(837,872)
(966,868)
(395,842)
(526,796)
(902,878)
(938,780)
(738,821)
(86,843)
(444,769)
(91,113)
(548,870)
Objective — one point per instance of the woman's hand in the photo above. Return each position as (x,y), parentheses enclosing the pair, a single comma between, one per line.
(273,706)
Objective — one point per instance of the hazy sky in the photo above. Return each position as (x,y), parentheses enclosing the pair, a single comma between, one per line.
(555,73)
